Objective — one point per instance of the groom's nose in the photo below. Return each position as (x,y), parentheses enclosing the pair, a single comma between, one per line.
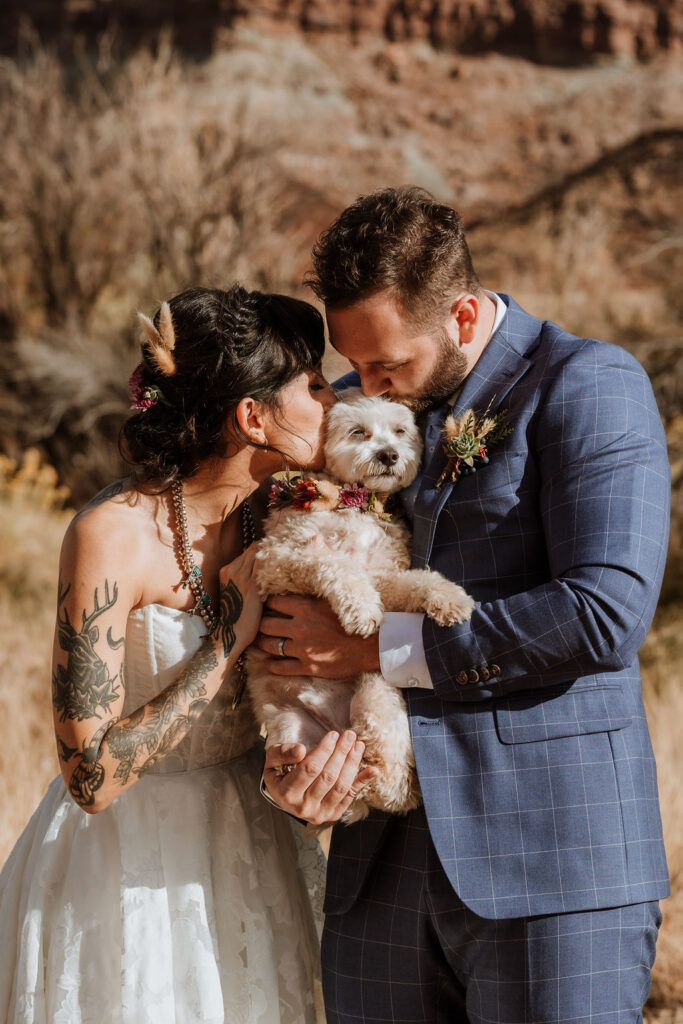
(374,382)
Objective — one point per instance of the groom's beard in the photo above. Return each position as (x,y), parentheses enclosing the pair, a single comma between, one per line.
(450,370)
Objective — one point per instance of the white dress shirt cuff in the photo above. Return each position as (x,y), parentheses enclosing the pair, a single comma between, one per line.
(401,650)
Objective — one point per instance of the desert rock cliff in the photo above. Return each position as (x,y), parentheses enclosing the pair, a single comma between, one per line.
(543,30)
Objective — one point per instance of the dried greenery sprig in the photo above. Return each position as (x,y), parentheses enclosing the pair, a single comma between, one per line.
(467,440)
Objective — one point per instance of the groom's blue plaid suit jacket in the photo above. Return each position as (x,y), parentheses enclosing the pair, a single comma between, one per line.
(532,751)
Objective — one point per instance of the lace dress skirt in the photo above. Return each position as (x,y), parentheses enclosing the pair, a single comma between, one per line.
(189,899)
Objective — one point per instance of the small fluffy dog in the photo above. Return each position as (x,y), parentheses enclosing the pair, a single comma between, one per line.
(329,535)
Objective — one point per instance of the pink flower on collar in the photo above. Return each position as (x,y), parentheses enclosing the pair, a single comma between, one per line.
(278,492)
(354,496)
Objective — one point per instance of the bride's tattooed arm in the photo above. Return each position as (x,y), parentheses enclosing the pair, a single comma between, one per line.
(84,687)
(138,742)
(100,751)
(134,745)
(105,568)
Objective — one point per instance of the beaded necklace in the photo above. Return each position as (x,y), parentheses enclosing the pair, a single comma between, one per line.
(193,574)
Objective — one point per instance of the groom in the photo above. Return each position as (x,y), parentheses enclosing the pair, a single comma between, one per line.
(525,889)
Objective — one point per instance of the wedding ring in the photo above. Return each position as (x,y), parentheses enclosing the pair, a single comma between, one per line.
(284,769)
(281,647)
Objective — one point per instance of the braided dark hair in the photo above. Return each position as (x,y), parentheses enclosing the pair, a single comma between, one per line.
(229,345)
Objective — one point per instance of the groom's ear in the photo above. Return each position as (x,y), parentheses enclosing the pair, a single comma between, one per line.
(250,417)
(464,317)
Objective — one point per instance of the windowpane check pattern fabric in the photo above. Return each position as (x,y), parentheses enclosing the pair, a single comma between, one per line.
(410,952)
(532,751)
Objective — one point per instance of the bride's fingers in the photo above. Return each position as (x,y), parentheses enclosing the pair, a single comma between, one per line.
(341,769)
(243,565)
(362,780)
(283,753)
(322,784)
(249,556)
(319,768)
(348,785)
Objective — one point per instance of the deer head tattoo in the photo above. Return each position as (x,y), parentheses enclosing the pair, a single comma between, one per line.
(84,688)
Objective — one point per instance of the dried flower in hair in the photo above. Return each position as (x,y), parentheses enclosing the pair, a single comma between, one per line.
(144,396)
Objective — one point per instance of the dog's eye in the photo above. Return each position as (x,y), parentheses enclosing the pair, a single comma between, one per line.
(399,430)
(357,432)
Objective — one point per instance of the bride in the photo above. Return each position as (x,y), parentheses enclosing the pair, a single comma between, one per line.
(153,882)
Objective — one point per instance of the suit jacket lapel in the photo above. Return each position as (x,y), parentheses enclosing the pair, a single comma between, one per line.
(500,366)
(429,500)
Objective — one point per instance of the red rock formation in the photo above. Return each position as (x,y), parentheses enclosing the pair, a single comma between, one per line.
(545,30)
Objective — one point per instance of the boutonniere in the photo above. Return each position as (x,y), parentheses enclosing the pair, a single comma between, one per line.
(467,440)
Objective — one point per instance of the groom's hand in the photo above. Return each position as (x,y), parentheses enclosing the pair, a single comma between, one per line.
(319,786)
(314,642)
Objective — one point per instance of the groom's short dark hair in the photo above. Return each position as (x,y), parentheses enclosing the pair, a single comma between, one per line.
(400,239)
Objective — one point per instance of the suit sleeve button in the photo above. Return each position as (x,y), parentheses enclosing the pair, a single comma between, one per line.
(461,677)
(484,673)
(473,676)
(495,670)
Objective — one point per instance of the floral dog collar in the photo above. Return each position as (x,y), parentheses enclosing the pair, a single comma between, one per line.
(301,493)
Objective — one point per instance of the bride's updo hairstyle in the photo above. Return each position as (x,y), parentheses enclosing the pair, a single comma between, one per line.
(205,350)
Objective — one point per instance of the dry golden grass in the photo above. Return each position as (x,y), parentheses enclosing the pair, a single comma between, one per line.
(31,531)
(31,528)
(124,182)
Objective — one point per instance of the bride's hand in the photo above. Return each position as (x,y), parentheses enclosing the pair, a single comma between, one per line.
(239,604)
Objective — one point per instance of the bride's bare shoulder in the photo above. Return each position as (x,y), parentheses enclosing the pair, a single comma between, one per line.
(110,542)
(119,511)
(119,493)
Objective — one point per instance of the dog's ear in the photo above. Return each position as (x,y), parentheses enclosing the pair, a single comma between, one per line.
(349,395)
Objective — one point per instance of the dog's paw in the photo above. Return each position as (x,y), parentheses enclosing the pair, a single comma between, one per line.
(363,621)
(369,625)
(448,603)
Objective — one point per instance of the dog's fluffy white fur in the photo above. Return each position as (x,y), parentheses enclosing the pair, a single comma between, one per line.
(361,565)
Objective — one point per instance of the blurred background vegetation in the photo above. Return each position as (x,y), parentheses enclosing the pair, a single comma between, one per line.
(133,165)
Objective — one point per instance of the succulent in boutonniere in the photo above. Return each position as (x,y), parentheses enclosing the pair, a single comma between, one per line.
(467,440)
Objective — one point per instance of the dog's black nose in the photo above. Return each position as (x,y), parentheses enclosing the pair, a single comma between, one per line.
(388,457)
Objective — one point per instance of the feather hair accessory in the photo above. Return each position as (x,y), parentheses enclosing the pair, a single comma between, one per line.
(161,341)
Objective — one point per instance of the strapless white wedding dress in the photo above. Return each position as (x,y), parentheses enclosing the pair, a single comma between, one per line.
(189,899)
